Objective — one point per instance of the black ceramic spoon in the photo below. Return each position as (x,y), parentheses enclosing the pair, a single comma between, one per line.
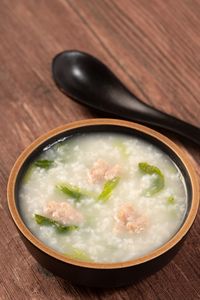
(90,82)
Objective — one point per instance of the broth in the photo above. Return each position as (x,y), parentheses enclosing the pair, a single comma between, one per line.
(103,197)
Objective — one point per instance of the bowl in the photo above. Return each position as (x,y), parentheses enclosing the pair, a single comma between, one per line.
(103,274)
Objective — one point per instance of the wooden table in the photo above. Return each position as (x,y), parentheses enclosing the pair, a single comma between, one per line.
(153,46)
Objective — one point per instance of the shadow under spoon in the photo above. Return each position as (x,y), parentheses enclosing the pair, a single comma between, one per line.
(90,82)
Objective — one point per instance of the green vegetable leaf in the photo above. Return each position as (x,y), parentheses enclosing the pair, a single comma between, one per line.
(158,183)
(28,173)
(42,220)
(74,191)
(43,163)
(170,200)
(78,254)
(121,147)
(108,188)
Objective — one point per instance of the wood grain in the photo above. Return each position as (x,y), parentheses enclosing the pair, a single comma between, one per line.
(153,46)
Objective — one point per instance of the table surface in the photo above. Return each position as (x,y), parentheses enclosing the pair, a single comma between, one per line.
(153,47)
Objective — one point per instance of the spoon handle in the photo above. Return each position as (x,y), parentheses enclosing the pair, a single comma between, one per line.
(146,114)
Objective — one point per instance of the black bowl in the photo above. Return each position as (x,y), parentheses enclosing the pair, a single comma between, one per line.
(103,274)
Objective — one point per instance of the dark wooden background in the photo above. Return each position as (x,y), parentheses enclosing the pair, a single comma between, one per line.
(154,47)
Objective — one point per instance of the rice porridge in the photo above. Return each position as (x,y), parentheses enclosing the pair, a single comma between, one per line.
(103,197)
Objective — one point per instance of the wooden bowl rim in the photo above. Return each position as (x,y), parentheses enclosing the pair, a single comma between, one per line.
(93,122)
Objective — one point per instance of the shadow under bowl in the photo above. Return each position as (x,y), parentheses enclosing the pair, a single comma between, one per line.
(103,274)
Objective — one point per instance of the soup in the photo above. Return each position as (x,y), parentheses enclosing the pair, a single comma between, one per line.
(103,197)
